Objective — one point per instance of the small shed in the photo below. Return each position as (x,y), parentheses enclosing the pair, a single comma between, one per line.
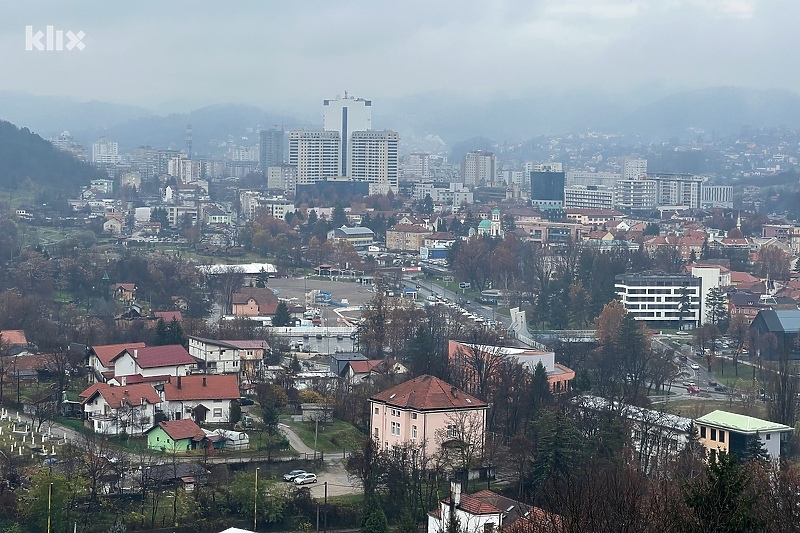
(228,440)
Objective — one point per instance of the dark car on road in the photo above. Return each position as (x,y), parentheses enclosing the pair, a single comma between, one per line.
(721,388)
(243,401)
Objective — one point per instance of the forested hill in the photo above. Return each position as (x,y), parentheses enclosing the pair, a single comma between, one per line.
(26,155)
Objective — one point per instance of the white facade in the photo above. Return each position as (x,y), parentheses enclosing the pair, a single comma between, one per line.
(636,195)
(419,166)
(586,178)
(105,152)
(552,166)
(678,190)
(588,197)
(315,154)
(655,297)
(125,365)
(345,116)
(633,168)
(131,418)
(219,411)
(218,358)
(717,196)
(283,177)
(713,277)
(373,157)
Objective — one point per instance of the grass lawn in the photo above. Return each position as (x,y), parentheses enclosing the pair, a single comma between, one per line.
(701,407)
(332,437)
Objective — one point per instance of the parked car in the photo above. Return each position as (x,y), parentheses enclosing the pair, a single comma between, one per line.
(304,479)
(291,476)
(689,384)
(721,388)
(245,401)
(695,366)
(693,390)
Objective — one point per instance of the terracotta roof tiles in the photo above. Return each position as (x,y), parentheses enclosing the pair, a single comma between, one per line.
(199,387)
(428,393)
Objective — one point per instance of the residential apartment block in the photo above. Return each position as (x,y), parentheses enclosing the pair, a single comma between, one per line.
(655,298)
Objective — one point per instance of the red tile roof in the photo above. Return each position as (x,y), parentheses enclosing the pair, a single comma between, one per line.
(217,387)
(13,337)
(114,396)
(475,506)
(428,393)
(167,316)
(107,352)
(181,429)
(27,362)
(160,356)
(138,378)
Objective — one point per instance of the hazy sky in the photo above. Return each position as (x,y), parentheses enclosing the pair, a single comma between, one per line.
(178,55)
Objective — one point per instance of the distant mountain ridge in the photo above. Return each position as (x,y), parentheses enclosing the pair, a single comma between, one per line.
(717,110)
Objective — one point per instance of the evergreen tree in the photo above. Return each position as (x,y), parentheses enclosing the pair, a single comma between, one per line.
(722,501)
(756,450)
(282,316)
(161,333)
(262,278)
(295,367)
(375,520)
(715,303)
(174,332)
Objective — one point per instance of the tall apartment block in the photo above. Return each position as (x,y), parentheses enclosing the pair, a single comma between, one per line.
(315,154)
(270,149)
(344,116)
(478,167)
(373,157)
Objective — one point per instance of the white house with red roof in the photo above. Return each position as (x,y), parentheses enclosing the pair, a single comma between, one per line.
(425,411)
(362,371)
(488,512)
(155,362)
(100,359)
(203,398)
(113,410)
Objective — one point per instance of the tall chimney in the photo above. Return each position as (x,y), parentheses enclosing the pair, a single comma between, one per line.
(135,353)
(204,381)
(455,492)
(179,382)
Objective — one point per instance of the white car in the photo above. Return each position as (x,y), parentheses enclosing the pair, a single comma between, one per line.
(291,476)
(302,479)
(695,366)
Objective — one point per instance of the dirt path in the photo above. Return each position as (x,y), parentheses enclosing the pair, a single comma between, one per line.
(295,441)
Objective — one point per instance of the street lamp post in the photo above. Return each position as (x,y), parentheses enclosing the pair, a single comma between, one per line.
(255,503)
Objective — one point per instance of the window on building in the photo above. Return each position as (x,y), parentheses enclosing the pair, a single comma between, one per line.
(721,436)
(218,412)
(713,434)
(377,410)
(395,412)
(702,432)
(452,432)
(376,433)
(767,436)
(396,428)
(413,432)
(413,416)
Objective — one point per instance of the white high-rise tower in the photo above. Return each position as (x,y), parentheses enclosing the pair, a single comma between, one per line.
(346,115)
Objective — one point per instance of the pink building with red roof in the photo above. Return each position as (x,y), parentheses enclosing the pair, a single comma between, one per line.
(152,361)
(427,412)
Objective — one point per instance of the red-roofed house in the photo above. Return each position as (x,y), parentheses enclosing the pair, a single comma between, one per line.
(113,410)
(175,435)
(406,237)
(124,292)
(171,360)
(425,411)
(100,358)
(254,301)
(168,316)
(487,512)
(204,398)
(360,371)
(13,337)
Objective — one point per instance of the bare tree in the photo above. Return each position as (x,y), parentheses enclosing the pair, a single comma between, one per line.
(461,441)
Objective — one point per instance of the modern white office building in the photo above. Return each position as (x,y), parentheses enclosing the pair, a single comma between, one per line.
(346,115)
(588,197)
(716,196)
(373,157)
(315,154)
(678,190)
(655,298)
(636,195)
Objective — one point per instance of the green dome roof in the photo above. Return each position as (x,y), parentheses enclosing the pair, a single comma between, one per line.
(485,224)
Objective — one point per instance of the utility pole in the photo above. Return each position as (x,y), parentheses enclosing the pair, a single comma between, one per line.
(325,505)
(255,504)
(49,504)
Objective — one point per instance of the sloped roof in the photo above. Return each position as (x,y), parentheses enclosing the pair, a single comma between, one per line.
(159,356)
(114,396)
(13,337)
(217,387)
(107,352)
(428,393)
(265,298)
(781,320)
(181,429)
(167,316)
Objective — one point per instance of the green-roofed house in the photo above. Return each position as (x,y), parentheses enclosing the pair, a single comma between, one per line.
(721,431)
